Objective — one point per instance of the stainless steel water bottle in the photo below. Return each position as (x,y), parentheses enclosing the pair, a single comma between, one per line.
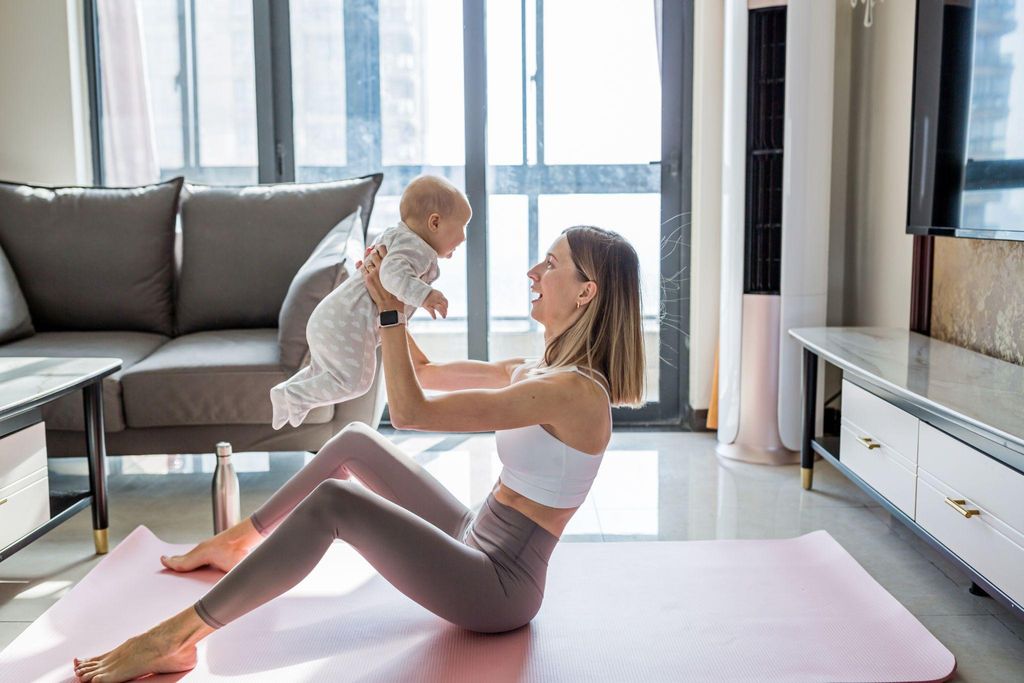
(225,490)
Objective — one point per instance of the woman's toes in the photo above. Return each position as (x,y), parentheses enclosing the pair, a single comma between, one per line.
(179,563)
(84,672)
(222,555)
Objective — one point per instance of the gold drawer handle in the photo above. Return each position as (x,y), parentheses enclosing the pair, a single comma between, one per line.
(868,442)
(958,505)
(3,501)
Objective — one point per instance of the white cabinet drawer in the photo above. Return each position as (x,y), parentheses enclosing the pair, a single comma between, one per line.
(983,541)
(975,476)
(24,505)
(886,472)
(22,453)
(881,421)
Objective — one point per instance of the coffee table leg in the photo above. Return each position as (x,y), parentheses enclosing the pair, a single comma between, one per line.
(96,448)
(810,406)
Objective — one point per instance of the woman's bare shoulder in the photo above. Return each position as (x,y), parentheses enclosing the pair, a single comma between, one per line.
(587,392)
(583,421)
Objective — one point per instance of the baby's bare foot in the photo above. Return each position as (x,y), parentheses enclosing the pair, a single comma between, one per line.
(151,652)
(222,552)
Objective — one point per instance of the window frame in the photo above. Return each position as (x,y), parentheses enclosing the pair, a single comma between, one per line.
(669,177)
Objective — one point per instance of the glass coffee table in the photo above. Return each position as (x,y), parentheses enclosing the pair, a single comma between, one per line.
(27,384)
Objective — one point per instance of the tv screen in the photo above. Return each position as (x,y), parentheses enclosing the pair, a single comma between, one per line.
(967,140)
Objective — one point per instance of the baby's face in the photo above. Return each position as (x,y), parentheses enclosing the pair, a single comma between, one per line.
(451,232)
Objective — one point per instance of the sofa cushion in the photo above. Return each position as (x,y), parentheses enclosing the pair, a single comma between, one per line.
(215,377)
(93,258)
(330,264)
(15,321)
(243,245)
(68,412)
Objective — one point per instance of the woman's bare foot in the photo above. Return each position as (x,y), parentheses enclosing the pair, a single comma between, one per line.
(222,552)
(166,648)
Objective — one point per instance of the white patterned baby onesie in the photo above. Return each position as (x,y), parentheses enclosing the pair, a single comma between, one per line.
(342,330)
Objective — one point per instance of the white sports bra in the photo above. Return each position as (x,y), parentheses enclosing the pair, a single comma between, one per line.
(542,468)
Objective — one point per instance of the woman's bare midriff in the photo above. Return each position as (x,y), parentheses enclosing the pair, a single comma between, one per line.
(548,518)
(552,520)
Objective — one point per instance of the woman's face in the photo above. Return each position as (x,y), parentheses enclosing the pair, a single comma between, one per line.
(557,284)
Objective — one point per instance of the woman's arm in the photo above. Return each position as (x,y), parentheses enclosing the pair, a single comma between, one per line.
(452,375)
(461,374)
(528,402)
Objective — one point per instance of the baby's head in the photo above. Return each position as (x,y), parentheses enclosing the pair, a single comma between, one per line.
(437,211)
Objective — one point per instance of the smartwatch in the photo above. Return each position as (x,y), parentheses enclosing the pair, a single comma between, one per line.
(391,318)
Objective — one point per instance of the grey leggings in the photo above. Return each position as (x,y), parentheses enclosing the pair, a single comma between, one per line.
(484,573)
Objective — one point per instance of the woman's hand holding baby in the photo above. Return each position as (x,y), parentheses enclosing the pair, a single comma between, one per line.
(435,303)
(370,268)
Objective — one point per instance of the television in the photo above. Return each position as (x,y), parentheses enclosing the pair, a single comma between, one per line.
(967,136)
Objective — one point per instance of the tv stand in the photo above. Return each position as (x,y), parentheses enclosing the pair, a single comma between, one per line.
(935,433)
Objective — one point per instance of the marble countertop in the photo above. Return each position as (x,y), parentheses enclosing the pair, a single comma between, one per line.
(978,389)
(26,380)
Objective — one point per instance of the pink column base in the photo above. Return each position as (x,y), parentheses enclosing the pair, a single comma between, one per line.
(758,438)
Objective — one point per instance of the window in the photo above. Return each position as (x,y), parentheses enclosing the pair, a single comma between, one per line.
(573,132)
(573,124)
(181,97)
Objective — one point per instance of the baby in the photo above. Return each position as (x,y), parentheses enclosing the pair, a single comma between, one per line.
(342,330)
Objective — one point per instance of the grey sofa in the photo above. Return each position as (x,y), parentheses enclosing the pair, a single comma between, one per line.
(193,313)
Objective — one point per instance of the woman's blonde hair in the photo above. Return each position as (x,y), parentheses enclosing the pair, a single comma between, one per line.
(608,336)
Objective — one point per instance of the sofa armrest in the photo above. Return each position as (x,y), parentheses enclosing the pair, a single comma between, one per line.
(15,321)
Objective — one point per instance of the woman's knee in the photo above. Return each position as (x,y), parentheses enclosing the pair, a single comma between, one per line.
(359,428)
(342,445)
(345,509)
(352,433)
(333,490)
(329,498)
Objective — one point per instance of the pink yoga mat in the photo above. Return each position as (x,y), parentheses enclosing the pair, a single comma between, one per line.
(798,609)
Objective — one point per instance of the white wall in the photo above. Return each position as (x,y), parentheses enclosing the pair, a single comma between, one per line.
(869,250)
(706,193)
(44,132)
(877,252)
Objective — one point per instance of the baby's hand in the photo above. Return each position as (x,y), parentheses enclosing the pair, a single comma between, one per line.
(436,303)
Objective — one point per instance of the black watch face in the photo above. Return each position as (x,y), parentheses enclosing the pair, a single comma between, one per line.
(388,318)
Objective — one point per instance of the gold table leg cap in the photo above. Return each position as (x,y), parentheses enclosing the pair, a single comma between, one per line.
(806,477)
(99,537)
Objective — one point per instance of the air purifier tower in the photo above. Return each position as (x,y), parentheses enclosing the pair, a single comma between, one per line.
(776,180)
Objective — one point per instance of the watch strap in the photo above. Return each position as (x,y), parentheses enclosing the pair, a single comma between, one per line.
(391,318)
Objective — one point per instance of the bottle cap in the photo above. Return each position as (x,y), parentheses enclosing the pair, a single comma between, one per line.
(223,449)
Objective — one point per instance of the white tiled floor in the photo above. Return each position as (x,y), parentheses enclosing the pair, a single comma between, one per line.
(652,486)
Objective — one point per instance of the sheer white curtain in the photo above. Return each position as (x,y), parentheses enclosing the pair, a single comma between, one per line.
(129,141)
(657,29)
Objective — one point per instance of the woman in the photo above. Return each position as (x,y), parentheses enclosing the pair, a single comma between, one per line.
(552,423)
